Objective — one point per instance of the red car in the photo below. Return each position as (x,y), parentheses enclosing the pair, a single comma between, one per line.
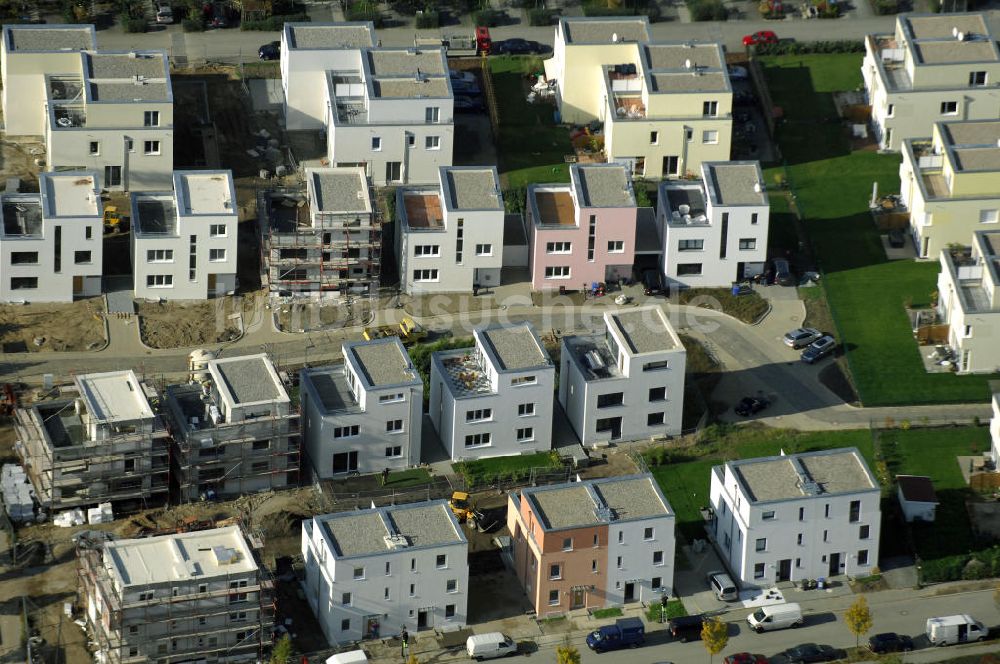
(745,658)
(762,37)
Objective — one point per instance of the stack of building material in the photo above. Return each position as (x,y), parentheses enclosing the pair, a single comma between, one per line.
(103,513)
(18,496)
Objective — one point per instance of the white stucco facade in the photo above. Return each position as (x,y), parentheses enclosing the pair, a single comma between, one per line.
(449,238)
(51,243)
(625,383)
(363,415)
(802,516)
(714,231)
(995,429)
(494,399)
(372,573)
(184,242)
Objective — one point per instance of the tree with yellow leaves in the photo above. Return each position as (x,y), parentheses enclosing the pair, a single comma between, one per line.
(859,619)
(567,654)
(715,636)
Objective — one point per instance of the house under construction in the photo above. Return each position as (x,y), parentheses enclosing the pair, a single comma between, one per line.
(184,597)
(326,242)
(234,430)
(107,443)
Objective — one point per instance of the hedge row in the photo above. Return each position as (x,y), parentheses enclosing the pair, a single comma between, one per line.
(274,23)
(967,566)
(802,48)
(364,11)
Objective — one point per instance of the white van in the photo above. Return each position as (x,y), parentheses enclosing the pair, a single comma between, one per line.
(776,616)
(947,630)
(490,646)
(351,657)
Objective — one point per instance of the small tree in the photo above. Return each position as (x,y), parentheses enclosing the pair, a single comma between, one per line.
(715,636)
(859,619)
(567,654)
(412,659)
(282,652)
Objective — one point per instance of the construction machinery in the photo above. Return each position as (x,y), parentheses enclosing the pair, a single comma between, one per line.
(460,506)
(112,219)
(408,331)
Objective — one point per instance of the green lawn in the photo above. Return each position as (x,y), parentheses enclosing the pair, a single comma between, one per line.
(531,146)
(486,471)
(612,612)
(409,477)
(674,609)
(832,187)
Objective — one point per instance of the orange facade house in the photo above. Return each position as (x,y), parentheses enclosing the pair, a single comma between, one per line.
(592,544)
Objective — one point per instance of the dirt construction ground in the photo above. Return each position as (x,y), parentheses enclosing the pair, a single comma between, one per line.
(179,325)
(71,326)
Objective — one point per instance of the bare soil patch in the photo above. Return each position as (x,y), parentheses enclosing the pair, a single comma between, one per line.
(63,326)
(178,325)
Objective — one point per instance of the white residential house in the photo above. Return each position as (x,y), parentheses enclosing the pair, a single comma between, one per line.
(714,231)
(995,431)
(365,415)
(666,106)
(184,241)
(51,242)
(390,110)
(372,573)
(948,183)
(449,238)
(625,382)
(798,516)
(917,498)
(106,111)
(969,302)
(934,67)
(197,595)
(494,399)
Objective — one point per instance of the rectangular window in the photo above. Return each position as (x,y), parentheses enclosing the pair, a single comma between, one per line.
(88,233)
(949,108)
(690,245)
(863,557)
(349,431)
(710,108)
(217,230)
(413,590)
(193,258)
(449,611)
(657,394)
(758,571)
(345,625)
(558,247)
(525,434)
(394,451)
(654,138)
(24,258)
(151,147)
(385,594)
(767,516)
(654,419)
(611,399)
(411,140)
(81,257)
(477,440)
(826,535)
(425,275)
(451,586)
(522,380)
(94,148)
(427,250)
(555,572)
(391,398)
(647,534)
(798,539)
(977,79)
(553,598)
(802,514)
(441,561)
(525,409)
(761,545)
(484,249)
(159,255)
(151,119)
(359,573)
(688,269)
(345,599)
(620,563)
(159,281)
(479,415)
(593,566)
(57,250)
(657,558)
(432,114)
(724,236)
(432,142)
(567,544)
(864,532)
(216,255)
(890,110)
(621,536)
(855,511)
(989,216)
(616,247)
(656,366)
(656,583)
(710,136)
(826,510)
(748,243)
(394,426)
(376,143)
(753,218)
(557,272)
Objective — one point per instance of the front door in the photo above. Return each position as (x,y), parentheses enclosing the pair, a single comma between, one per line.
(77,285)
(576,600)
(834,564)
(211,284)
(112,176)
(630,592)
(345,462)
(785,569)
(421,619)
(393,171)
(670,165)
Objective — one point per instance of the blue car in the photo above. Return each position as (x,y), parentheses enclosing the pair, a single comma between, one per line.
(819,349)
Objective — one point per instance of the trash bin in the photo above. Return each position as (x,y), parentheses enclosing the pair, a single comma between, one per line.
(820,583)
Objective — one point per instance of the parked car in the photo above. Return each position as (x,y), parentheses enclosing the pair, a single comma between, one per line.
(738,73)
(947,630)
(722,584)
(490,646)
(801,337)
(686,628)
(810,652)
(890,642)
(819,349)
(897,239)
(468,105)
(782,272)
(749,406)
(164,13)
(625,633)
(744,658)
(269,51)
(466,89)
(518,46)
(760,37)
(776,616)
(464,76)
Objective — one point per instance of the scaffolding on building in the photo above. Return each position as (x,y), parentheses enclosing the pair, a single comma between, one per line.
(112,620)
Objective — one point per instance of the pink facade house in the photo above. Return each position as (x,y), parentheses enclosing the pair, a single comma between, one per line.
(582,232)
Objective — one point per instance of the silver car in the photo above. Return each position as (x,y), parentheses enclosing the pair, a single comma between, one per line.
(801,337)
(722,585)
